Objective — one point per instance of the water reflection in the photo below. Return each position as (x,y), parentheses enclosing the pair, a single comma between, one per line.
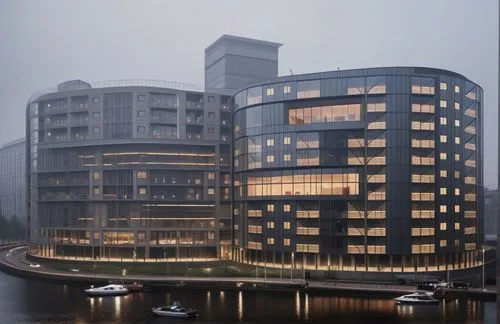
(118,307)
(240,305)
(306,307)
(297,304)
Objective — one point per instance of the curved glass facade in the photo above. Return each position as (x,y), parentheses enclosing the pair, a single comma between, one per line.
(361,170)
(129,173)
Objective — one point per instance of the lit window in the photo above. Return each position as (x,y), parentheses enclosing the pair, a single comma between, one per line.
(442,120)
(442,103)
(443,86)
(142,175)
(443,138)
(286,208)
(457,105)
(211,191)
(270,158)
(270,207)
(142,190)
(442,243)
(97,190)
(457,140)
(211,175)
(442,191)
(457,226)
(287,89)
(270,142)
(457,242)
(287,157)
(286,225)
(270,224)
(457,208)
(442,208)
(457,192)
(270,240)
(442,156)
(457,157)
(443,173)
(270,91)
(457,174)
(457,89)
(457,122)
(442,226)
(287,140)
(96,176)
(286,242)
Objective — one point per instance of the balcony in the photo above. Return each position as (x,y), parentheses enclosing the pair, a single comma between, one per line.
(224,138)
(194,135)
(56,110)
(194,105)
(61,123)
(225,123)
(80,136)
(80,122)
(225,108)
(80,106)
(198,120)
(163,120)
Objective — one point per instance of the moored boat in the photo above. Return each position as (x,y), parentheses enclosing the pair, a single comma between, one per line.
(109,290)
(417,298)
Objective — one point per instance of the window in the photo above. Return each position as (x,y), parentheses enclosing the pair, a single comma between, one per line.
(142,190)
(457,157)
(211,130)
(457,226)
(376,107)
(286,208)
(287,157)
(339,113)
(142,175)
(96,115)
(270,91)
(443,86)
(457,242)
(270,158)
(442,226)
(211,175)
(457,140)
(457,174)
(211,99)
(96,100)
(442,103)
(457,122)
(96,175)
(457,208)
(457,89)
(287,140)
(211,191)
(442,120)
(286,225)
(97,190)
(442,156)
(270,224)
(141,129)
(443,138)
(442,191)
(141,113)
(270,240)
(270,142)
(141,98)
(308,89)
(270,207)
(96,130)
(286,242)
(442,243)
(457,105)
(287,89)
(443,173)
(442,208)
(211,115)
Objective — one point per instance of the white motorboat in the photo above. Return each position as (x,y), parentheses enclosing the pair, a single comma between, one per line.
(417,298)
(109,290)
(175,310)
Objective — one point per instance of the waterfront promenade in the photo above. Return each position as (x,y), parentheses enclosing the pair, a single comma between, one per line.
(14,261)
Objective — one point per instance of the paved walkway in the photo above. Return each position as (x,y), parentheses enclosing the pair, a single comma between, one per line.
(16,259)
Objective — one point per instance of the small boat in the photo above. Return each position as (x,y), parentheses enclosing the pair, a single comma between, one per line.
(135,287)
(175,310)
(417,298)
(109,290)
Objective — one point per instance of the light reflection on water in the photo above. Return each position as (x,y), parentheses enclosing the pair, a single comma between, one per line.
(20,302)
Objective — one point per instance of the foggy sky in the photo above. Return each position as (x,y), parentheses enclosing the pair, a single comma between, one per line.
(46,42)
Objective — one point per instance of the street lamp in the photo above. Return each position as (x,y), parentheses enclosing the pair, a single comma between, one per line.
(291,266)
(483,266)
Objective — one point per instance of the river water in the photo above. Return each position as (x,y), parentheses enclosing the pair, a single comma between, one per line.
(34,301)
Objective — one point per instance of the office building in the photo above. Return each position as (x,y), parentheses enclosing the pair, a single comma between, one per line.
(12,180)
